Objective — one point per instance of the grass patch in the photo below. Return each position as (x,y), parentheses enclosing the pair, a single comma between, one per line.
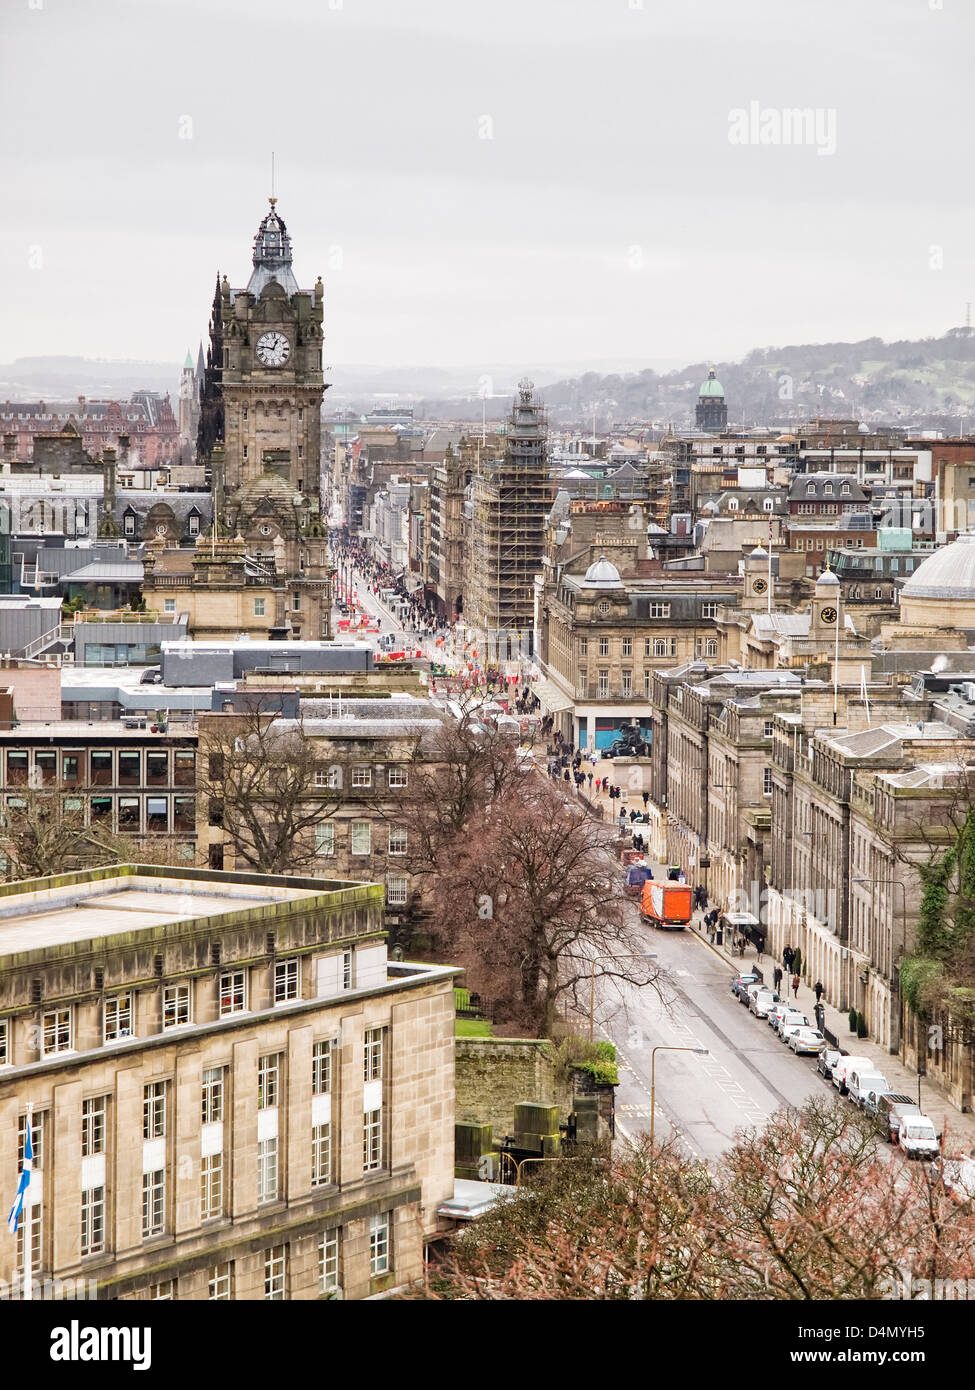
(472,1028)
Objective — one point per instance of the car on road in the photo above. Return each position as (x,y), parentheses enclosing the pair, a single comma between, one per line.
(890,1108)
(742,980)
(762,1000)
(790,1022)
(841,1072)
(746,995)
(864,1079)
(827,1061)
(917,1137)
(806,1041)
(958,1176)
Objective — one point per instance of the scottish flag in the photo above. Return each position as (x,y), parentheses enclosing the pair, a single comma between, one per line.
(13,1220)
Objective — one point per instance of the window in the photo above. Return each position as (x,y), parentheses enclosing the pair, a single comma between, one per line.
(878,593)
(212,1095)
(767,728)
(396,777)
(32,1214)
(56,1031)
(38,1131)
(602,685)
(647,684)
(128,524)
(361,837)
(769,504)
(233,992)
(845,490)
(328,1260)
(194,524)
(321,1067)
(810,489)
(709,610)
(827,489)
(169,605)
(627,646)
(211,1186)
(92,1221)
(627,678)
(711,647)
(660,610)
(118,1017)
(325,839)
(604,646)
(268,1074)
(647,646)
(153,1202)
(157,814)
(276,1272)
(379,1245)
(321,1155)
(397,891)
(4,1044)
(362,776)
(154,1110)
(372,1068)
(222,1282)
(372,1140)
(258,608)
(93,1126)
(584,641)
(660,646)
(346,969)
(767,781)
(397,840)
(267,1170)
(287,981)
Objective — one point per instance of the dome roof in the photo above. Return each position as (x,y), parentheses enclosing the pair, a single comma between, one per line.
(272,256)
(711,387)
(947,574)
(602,575)
(759,553)
(827,579)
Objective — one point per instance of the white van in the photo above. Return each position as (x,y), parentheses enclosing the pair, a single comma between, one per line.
(845,1065)
(864,1079)
(917,1137)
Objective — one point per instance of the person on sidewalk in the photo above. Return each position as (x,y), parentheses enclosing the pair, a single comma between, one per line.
(795,986)
(777,977)
(820,990)
(759,946)
(787,957)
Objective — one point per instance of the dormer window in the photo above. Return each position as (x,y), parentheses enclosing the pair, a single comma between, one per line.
(827,489)
(810,489)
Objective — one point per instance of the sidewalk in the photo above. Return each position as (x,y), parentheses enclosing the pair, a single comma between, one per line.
(959,1129)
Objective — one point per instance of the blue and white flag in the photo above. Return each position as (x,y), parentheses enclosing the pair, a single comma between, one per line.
(13,1220)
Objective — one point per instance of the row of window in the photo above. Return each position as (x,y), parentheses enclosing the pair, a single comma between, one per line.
(100,767)
(135,814)
(360,838)
(603,689)
(332,777)
(57,1030)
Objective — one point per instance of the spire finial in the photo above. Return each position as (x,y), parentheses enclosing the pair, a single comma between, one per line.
(272,200)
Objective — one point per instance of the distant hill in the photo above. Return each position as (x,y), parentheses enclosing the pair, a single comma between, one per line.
(923,384)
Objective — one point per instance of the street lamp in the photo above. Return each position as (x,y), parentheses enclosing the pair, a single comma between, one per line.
(592,982)
(665,1047)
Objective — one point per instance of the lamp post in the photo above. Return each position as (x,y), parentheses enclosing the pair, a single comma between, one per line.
(665,1047)
(592,982)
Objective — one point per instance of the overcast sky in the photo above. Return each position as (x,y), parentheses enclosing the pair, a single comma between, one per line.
(608,218)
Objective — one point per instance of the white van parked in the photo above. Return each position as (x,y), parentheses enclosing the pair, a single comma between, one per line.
(917,1137)
(864,1079)
(845,1065)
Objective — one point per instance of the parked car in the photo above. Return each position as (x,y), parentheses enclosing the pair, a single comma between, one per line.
(917,1137)
(827,1061)
(763,1000)
(843,1068)
(774,1016)
(958,1176)
(864,1079)
(891,1109)
(742,980)
(789,1024)
(808,1041)
(746,995)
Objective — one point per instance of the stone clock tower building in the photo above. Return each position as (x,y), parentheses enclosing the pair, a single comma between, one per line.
(260,442)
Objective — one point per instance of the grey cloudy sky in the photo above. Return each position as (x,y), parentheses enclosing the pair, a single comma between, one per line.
(608,217)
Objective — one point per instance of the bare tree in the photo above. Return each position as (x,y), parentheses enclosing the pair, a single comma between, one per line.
(256,772)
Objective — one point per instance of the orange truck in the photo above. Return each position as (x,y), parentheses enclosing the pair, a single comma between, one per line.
(666,905)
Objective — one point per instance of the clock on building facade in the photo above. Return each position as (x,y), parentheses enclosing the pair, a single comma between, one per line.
(828,615)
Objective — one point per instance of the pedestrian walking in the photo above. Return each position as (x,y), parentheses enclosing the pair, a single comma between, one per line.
(589,780)
(788,955)
(777,977)
(759,946)
(795,986)
(820,990)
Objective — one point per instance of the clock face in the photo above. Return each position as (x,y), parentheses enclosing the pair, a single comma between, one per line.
(273,349)
(760,586)
(828,615)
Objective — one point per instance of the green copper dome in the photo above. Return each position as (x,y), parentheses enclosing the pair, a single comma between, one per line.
(711,387)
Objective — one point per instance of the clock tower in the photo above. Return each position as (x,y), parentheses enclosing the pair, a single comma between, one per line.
(260,429)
